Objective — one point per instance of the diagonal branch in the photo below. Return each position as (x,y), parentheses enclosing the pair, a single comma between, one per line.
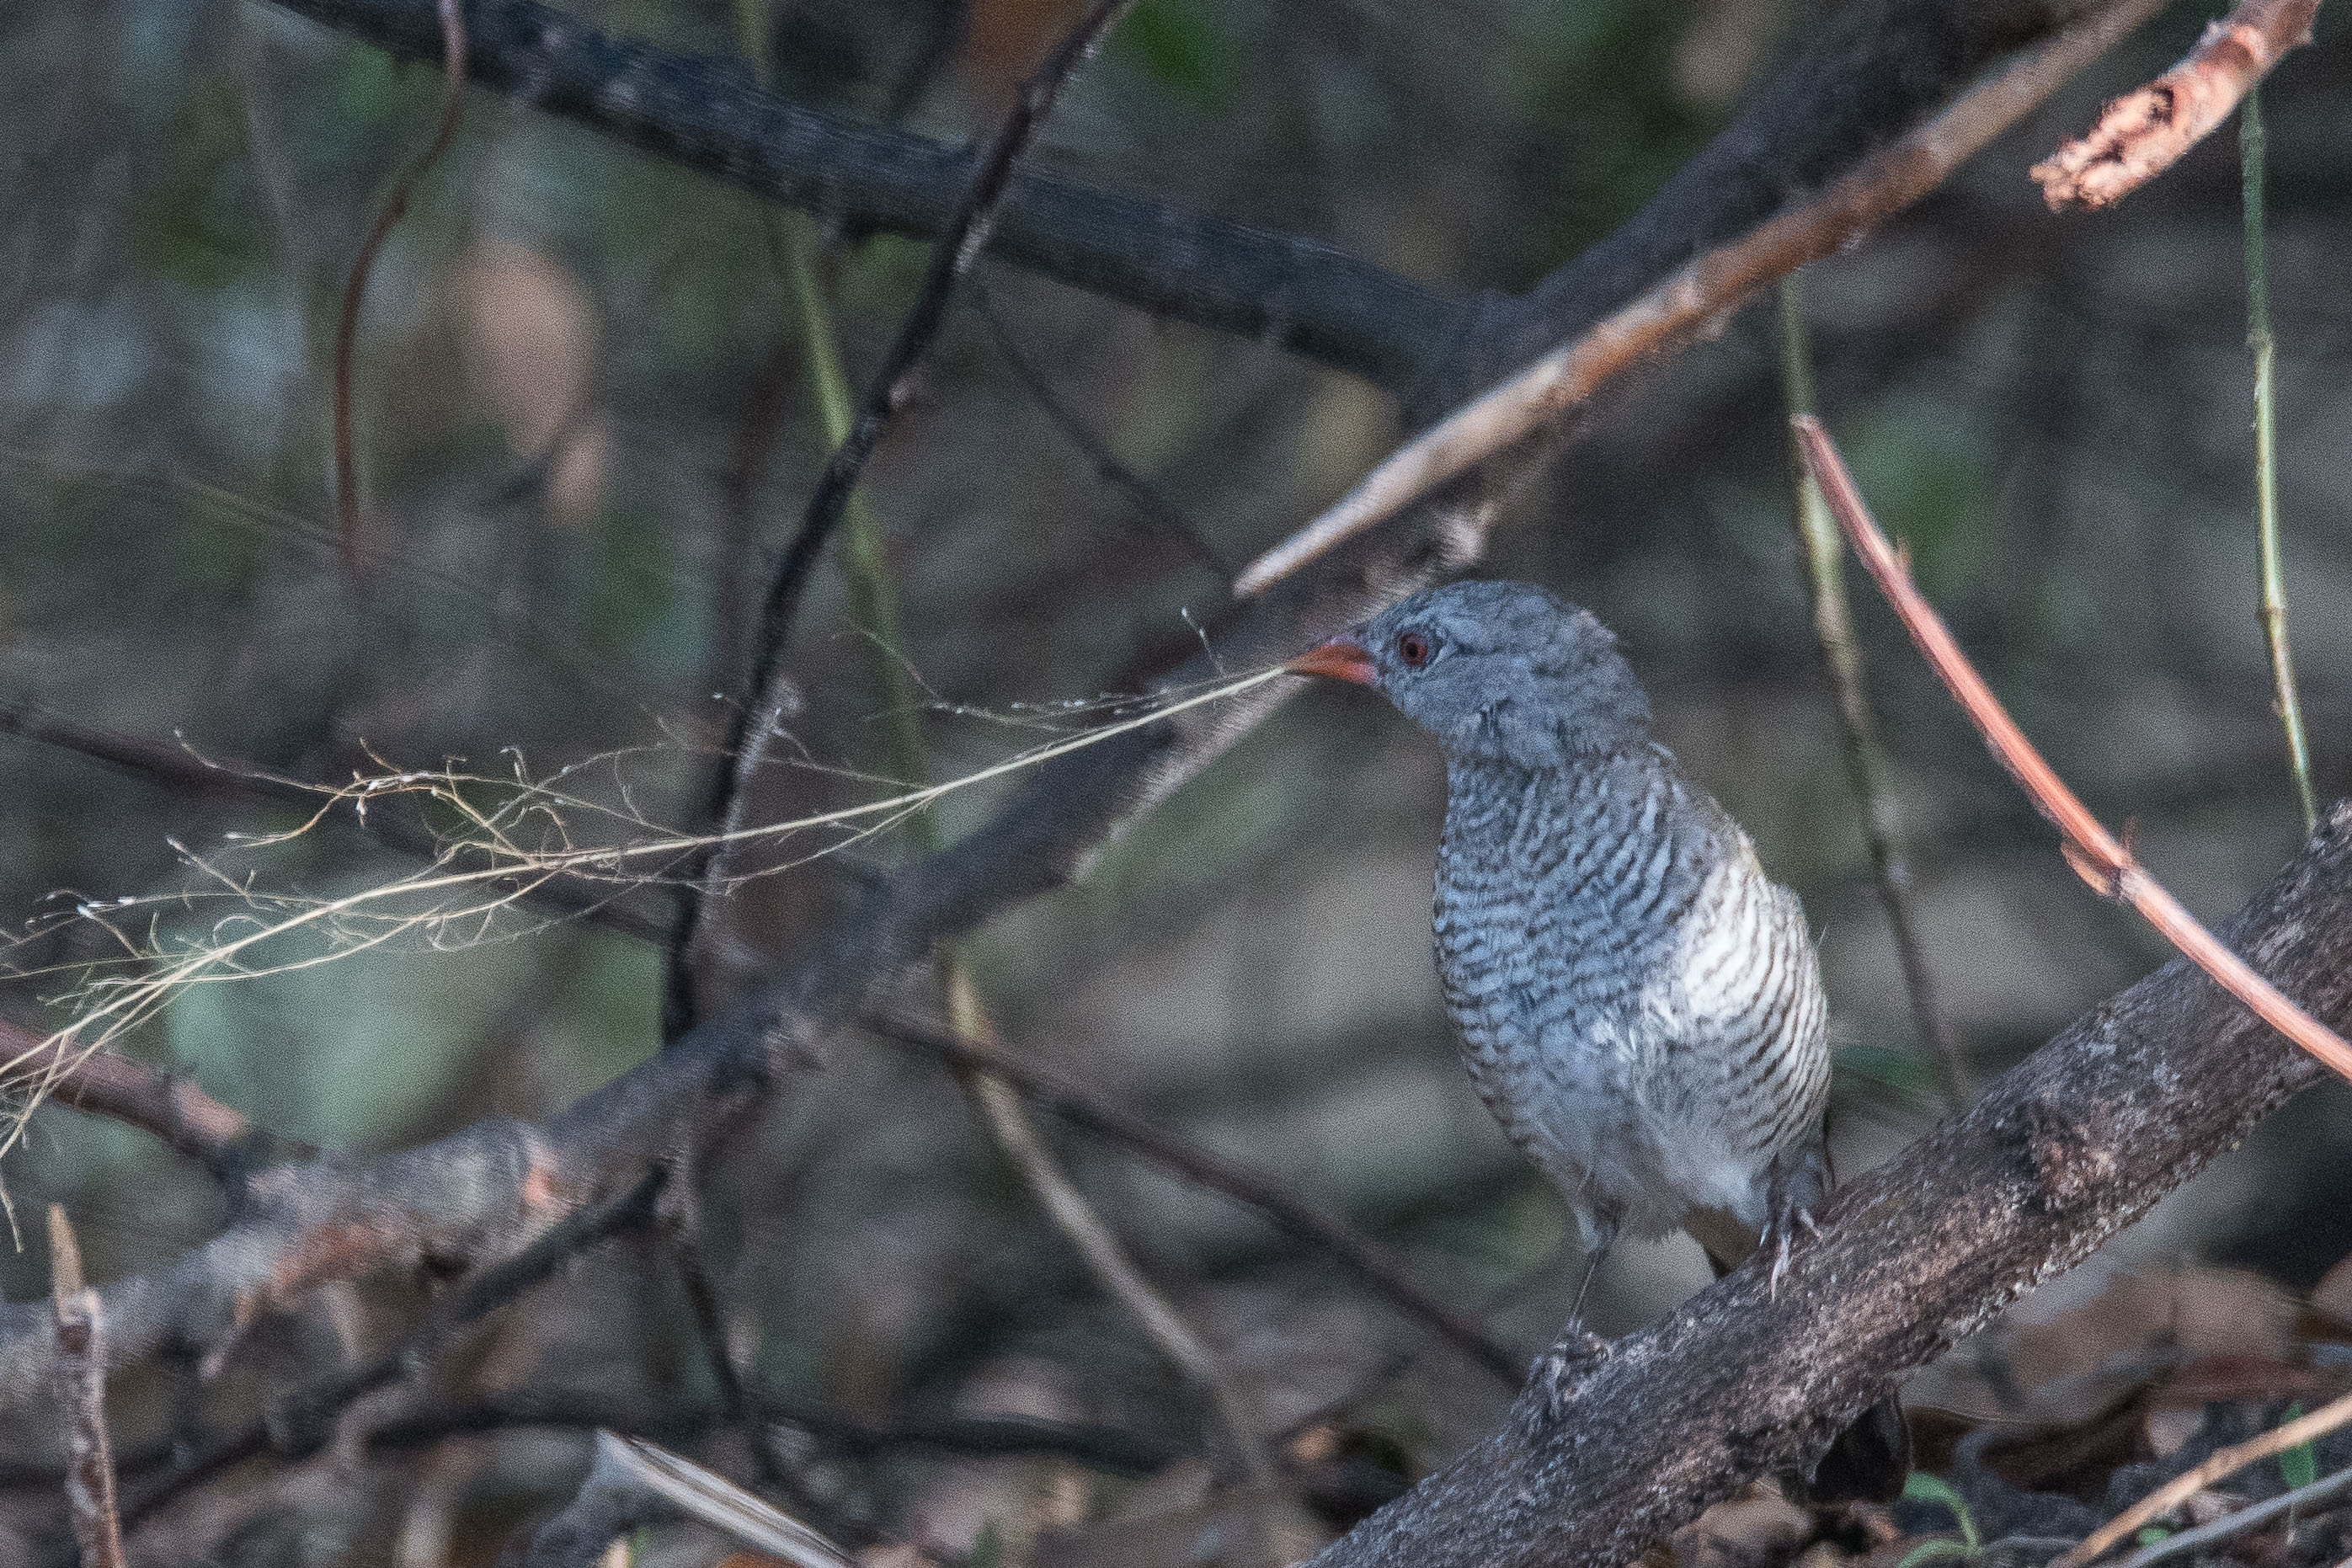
(2096,855)
(1603,1454)
(1367,1259)
(1527,408)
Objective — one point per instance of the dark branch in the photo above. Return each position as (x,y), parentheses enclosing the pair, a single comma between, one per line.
(706,115)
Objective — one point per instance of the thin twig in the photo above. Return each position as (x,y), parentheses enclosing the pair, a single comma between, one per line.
(2093,853)
(1375,1265)
(2227,1461)
(78,1377)
(1532,403)
(2143,134)
(960,244)
(1000,1108)
(109,1084)
(2252,148)
(347,320)
(1166,517)
(1865,757)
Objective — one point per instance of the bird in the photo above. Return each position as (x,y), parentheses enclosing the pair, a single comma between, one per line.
(1638,1003)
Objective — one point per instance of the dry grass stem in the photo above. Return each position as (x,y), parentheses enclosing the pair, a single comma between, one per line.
(513,836)
(1699,293)
(2143,134)
(2095,853)
(2188,1483)
(1865,757)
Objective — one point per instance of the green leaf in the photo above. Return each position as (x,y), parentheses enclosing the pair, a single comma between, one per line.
(2150,1535)
(1182,49)
(1921,1487)
(1929,1550)
(2299,1466)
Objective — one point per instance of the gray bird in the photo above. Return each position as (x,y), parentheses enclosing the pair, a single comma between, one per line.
(1640,1005)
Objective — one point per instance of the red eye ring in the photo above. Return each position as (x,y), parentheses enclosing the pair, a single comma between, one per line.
(1413,648)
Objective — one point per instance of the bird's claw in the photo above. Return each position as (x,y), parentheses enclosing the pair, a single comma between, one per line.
(1780,1236)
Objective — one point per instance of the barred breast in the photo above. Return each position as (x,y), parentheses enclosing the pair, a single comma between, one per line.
(1638,1003)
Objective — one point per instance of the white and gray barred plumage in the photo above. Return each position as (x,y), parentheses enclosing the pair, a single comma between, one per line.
(1640,1005)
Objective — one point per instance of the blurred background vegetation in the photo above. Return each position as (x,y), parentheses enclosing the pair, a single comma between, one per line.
(587,425)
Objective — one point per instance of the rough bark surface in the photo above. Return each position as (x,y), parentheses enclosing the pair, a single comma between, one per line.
(1603,1454)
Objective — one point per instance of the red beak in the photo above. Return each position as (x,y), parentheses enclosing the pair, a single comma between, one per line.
(1340,658)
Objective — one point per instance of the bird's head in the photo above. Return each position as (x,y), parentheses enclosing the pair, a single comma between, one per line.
(1504,672)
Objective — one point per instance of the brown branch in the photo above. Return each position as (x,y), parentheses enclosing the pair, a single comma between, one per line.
(2140,135)
(106,1083)
(965,236)
(1531,404)
(479,1197)
(2095,853)
(347,319)
(78,1378)
(1604,1453)
(1375,1265)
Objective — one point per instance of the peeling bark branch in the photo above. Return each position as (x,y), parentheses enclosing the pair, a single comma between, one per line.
(78,1377)
(1604,1453)
(2143,134)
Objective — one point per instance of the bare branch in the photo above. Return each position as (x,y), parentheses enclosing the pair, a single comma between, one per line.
(1603,1454)
(1272,288)
(2223,1462)
(2143,134)
(629,1473)
(1530,406)
(78,1377)
(106,1083)
(2095,853)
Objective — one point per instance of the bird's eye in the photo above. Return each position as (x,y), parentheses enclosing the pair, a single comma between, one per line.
(1413,648)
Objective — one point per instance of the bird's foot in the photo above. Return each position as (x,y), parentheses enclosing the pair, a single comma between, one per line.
(1559,1374)
(1780,1236)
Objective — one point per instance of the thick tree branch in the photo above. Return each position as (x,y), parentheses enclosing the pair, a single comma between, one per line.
(1605,1452)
